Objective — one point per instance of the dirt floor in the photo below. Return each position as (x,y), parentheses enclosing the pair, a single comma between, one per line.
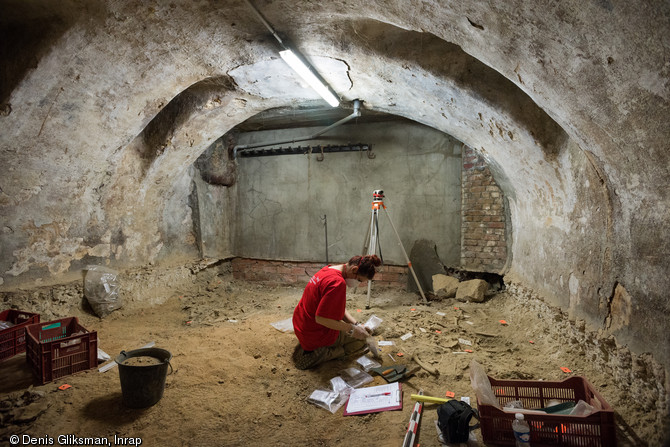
(234,384)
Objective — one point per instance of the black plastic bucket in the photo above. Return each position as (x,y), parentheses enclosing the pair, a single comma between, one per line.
(143,385)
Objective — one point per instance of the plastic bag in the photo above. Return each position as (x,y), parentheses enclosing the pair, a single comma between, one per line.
(582,409)
(367,363)
(514,404)
(329,400)
(480,383)
(101,288)
(373,347)
(373,323)
(340,386)
(354,377)
(283,325)
(103,356)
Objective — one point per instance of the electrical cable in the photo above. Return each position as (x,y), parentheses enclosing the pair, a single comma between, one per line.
(267,25)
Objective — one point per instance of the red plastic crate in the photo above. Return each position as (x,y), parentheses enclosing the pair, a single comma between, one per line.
(595,430)
(59,348)
(13,339)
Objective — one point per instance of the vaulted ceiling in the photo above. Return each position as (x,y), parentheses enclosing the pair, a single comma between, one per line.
(105,104)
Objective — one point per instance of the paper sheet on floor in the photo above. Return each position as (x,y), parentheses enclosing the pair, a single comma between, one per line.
(375,398)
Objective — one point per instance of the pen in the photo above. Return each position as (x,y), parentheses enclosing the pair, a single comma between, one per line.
(380,394)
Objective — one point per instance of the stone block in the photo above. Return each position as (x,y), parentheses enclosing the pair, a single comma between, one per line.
(445,286)
(426,263)
(473,290)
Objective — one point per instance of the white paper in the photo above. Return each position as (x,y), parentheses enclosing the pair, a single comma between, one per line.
(464,342)
(374,398)
(385,343)
(442,314)
(103,356)
(406,336)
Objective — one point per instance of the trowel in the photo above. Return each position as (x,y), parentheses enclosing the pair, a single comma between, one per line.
(395,373)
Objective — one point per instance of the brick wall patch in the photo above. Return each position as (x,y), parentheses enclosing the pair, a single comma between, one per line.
(483,221)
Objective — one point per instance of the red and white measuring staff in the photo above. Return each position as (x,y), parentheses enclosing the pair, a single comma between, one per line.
(413,426)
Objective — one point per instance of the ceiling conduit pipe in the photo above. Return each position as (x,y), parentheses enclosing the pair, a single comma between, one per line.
(356,113)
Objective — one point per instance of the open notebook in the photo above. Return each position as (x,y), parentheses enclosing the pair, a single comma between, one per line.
(374,399)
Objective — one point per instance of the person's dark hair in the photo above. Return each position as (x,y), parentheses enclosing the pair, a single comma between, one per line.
(366,265)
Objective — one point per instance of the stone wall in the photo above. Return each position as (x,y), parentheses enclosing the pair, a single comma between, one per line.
(483,239)
(642,377)
(139,288)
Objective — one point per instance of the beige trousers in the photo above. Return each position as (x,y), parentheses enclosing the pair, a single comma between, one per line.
(344,346)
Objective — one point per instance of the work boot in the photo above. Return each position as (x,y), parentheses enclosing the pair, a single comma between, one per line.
(306,360)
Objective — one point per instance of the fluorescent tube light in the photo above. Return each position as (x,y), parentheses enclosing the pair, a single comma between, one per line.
(303,70)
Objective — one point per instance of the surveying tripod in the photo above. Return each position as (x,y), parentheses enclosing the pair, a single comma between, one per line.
(371,240)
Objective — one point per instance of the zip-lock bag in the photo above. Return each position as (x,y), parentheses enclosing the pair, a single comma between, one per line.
(453,418)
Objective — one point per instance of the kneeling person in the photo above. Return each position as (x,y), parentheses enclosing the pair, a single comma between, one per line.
(324,327)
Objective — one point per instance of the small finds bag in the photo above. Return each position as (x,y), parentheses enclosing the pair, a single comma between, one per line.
(453,418)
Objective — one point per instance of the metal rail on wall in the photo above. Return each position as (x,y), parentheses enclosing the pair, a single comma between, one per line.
(243,148)
(321,150)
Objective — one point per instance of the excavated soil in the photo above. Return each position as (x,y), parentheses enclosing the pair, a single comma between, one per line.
(233,382)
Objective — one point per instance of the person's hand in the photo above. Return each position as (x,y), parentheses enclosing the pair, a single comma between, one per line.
(360,332)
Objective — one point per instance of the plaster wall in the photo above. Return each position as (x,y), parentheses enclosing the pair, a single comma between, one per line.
(214,223)
(281,200)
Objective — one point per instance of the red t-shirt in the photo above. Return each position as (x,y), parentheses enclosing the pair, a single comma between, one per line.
(325,295)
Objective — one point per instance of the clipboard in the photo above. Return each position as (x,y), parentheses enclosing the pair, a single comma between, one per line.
(374,399)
